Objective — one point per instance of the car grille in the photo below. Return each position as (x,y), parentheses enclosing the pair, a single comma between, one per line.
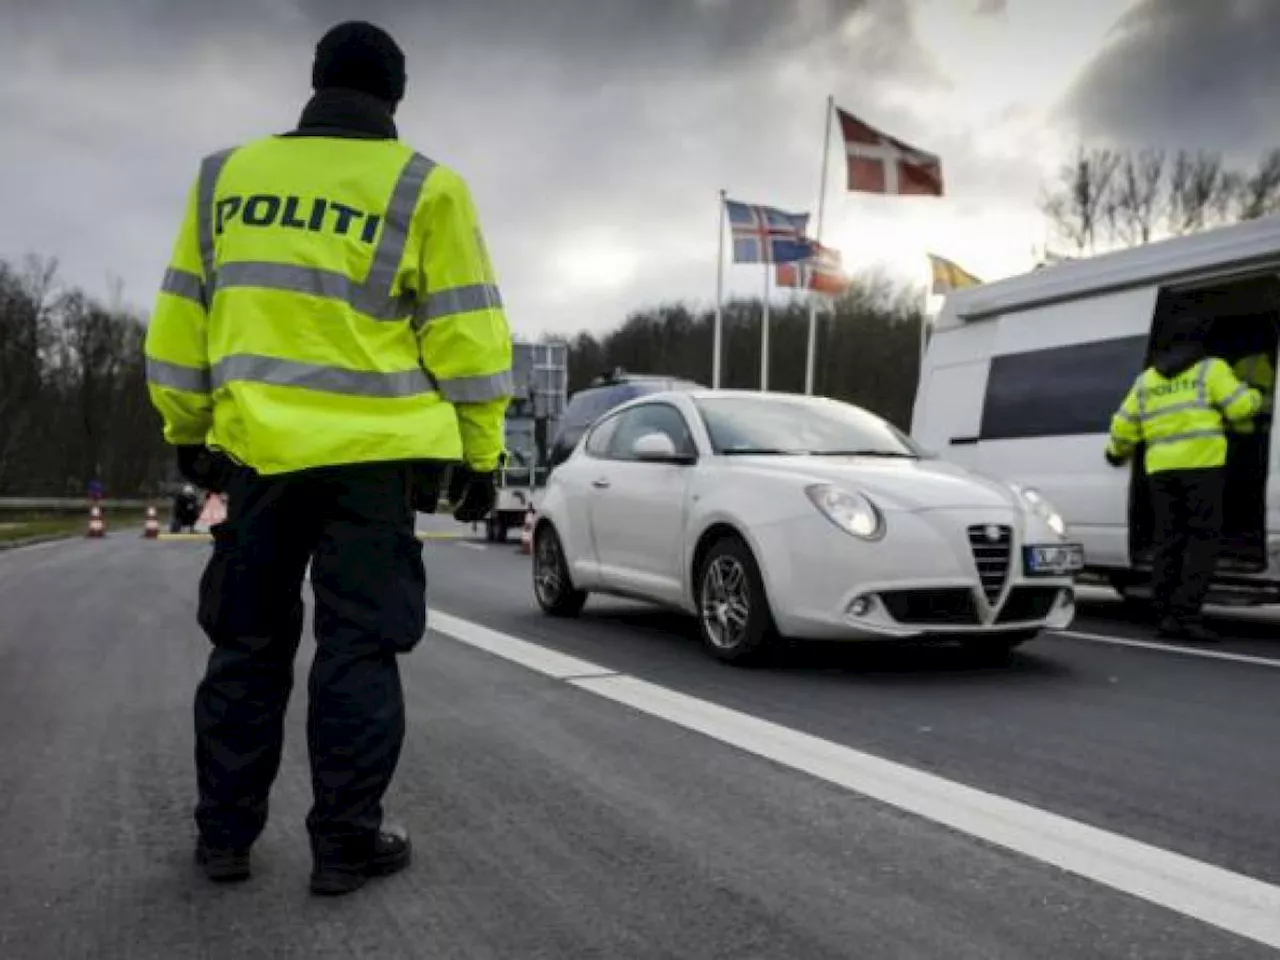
(949,605)
(991,556)
(1028,603)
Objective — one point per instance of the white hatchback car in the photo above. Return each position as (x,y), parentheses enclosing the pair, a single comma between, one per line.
(767,514)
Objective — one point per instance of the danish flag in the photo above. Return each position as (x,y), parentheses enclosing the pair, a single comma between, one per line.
(879,163)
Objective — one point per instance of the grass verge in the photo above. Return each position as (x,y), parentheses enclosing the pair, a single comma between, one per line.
(16,528)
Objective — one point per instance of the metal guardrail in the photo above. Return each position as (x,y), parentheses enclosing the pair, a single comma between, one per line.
(71,504)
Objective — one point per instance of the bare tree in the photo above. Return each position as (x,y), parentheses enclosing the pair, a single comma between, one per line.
(26,297)
(1137,194)
(1199,187)
(1258,195)
(1134,198)
(1080,201)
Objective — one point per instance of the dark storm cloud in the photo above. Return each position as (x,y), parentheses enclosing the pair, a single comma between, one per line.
(1202,74)
(596,35)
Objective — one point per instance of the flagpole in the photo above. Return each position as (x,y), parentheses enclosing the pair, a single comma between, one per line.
(764,332)
(813,303)
(718,334)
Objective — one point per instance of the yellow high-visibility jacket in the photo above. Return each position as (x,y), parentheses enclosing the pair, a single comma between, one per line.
(330,301)
(1181,419)
(1258,372)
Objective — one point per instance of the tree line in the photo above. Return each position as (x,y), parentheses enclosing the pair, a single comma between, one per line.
(1105,198)
(74,406)
(73,397)
(867,346)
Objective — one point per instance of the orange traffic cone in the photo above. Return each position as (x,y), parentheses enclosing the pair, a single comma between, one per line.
(152,530)
(97,525)
(526,534)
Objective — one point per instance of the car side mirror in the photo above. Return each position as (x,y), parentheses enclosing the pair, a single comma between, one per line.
(658,448)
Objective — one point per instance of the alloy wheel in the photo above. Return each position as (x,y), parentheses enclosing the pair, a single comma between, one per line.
(548,572)
(725,602)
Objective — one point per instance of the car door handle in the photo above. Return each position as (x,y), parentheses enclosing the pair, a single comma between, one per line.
(600,483)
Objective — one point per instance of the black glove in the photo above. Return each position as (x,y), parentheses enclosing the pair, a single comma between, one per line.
(472,495)
(206,468)
(1113,459)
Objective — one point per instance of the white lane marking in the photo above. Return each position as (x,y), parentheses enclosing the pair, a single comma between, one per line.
(1233,902)
(1167,648)
(531,655)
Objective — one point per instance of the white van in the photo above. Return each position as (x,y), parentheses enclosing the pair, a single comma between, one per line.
(1021,378)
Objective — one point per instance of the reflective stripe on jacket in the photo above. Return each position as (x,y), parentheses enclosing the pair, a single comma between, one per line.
(1180,419)
(331,301)
(1258,372)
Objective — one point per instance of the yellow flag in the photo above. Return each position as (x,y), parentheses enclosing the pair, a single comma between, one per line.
(947,276)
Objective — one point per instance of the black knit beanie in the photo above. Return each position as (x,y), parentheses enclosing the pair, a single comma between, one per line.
(359,56)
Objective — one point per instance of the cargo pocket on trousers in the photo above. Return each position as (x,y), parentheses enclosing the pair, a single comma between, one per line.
(406,607)
(228,599)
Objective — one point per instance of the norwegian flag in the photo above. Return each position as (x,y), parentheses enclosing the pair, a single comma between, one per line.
(879,163)
(823,273)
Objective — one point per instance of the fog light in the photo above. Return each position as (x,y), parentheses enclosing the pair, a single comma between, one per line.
(860,607)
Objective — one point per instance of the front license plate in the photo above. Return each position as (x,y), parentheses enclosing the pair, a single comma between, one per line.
(1053,560)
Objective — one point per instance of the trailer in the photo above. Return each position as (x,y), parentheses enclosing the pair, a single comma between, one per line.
(541,374)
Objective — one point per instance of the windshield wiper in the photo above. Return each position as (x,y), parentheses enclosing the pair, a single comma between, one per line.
(863,453)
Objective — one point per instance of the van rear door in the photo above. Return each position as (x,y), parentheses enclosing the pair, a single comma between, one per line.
(1058,372)
(948,410)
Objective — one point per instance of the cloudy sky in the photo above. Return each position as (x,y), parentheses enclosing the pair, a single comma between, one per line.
(596,134)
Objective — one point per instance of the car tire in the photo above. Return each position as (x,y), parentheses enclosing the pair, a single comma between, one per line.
(729,580)
(552,586)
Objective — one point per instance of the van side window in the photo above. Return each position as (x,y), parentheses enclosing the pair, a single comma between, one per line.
(1062,391)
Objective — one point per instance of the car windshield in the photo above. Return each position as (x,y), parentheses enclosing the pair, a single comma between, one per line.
(814,426)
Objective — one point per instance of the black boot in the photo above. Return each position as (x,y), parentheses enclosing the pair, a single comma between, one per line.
(223,864)
(333,876)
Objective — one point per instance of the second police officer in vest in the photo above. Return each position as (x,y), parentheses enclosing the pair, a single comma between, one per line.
(1180,410)
(328,337)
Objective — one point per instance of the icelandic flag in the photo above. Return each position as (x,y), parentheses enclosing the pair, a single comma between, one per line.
(767,235)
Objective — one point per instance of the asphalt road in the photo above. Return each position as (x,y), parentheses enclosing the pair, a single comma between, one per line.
(553,822)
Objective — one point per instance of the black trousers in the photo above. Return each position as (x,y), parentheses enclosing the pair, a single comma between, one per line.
(356,527)
(1188,510)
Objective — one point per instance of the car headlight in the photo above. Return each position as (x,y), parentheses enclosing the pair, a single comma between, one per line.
(1037,504)
(852,512)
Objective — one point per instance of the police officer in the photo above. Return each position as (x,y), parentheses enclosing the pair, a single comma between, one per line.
(1249,447)
(1257,369)
(1179,409)
(186,509)
(328,338)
